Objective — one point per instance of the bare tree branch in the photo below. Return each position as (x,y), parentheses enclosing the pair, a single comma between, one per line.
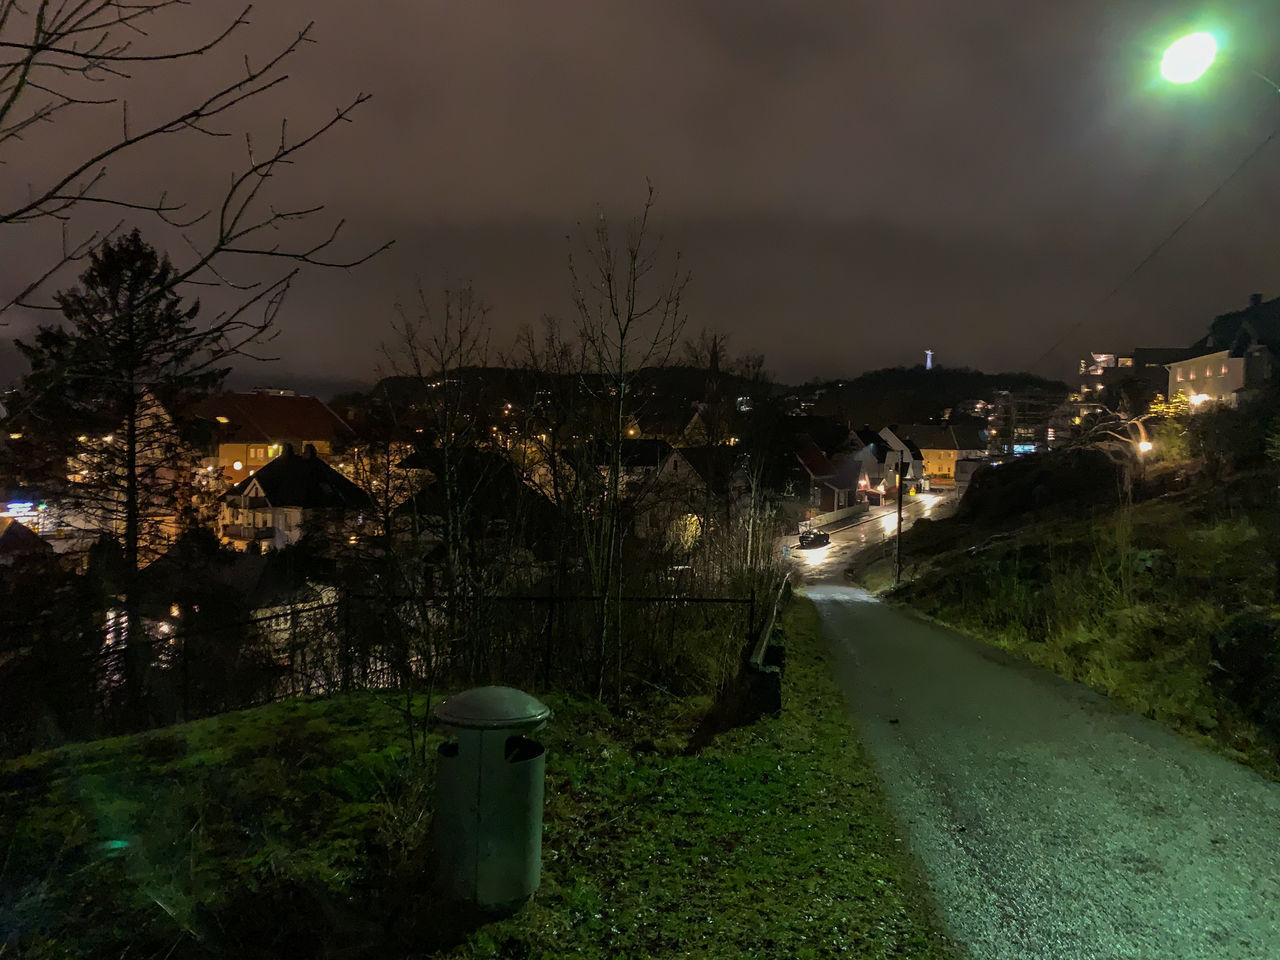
(53,51)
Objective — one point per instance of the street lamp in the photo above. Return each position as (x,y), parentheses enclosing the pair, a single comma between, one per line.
(1188,59)
(1144,446)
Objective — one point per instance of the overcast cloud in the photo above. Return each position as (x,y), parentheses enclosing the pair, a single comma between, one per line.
(850,183)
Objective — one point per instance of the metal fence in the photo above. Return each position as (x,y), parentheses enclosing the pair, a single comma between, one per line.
(361,641)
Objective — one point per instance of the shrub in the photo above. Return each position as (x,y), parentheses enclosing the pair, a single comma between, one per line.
(1246,653)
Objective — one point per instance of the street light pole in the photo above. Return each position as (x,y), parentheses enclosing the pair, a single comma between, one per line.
(897,542)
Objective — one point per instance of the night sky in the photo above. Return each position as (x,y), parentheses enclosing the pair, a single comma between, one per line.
(849,183)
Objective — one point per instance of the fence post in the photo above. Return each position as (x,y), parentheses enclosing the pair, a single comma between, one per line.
(551,626)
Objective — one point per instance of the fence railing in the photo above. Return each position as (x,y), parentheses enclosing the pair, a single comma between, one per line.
(356,641)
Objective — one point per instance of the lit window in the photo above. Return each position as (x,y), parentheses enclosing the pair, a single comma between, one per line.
(1179,374)
(1191,374)
(1208,371)
(1224,369)
(222,419)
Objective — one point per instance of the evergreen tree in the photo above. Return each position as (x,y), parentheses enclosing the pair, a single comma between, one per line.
(98,416)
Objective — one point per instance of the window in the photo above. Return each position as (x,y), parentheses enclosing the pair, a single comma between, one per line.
(1208,371)
(1191,374)
(257,453)
(1224,368)
(1179,374)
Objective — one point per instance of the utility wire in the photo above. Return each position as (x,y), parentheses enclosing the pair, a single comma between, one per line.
(1156,250)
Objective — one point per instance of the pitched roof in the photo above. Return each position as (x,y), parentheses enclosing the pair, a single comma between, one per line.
(263,417)
(303,480)
(664,416)
(968,436)
(929,436)
(1259,322)
(1159,356)
(714,464)
(17,538)
(493,491)
(812,457)
(901,435)
(866,437)
(639,454)
(941,436)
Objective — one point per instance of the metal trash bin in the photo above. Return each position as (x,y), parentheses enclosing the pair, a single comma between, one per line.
(489,792)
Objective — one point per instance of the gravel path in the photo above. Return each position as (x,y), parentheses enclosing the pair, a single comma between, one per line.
(1050,824)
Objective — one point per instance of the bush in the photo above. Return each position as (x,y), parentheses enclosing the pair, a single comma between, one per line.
(1246,653)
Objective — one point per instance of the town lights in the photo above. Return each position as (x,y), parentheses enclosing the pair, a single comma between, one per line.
(1189,58)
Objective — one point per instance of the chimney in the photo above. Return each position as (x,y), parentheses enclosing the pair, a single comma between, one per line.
(1255,300)
(309,451)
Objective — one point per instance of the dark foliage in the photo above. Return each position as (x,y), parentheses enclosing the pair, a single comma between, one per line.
(49,652)
(1246,652)
(1069,482)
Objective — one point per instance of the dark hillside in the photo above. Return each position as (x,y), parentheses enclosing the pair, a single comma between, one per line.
(917,395)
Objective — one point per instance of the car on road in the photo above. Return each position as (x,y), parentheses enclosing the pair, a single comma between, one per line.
(814,538)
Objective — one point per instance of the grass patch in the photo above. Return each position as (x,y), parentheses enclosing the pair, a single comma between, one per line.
(301,830)
(1167,607)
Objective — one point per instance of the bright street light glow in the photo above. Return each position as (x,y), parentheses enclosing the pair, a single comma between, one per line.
(1145,446)
(1187,60)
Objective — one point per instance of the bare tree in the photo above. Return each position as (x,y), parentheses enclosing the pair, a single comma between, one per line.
(64,62)
(438,349)
(629,316)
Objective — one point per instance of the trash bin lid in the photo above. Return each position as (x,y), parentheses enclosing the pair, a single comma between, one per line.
(493,708)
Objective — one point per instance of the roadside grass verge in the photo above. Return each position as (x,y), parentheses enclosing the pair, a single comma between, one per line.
(1167,608)
(301,829)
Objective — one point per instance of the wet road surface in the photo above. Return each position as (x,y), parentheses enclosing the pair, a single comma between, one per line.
(1050,824)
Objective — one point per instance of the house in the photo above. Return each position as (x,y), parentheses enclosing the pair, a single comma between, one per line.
(965,471)
(18,540)
(942,446)
(490,501)
(1126,381)
(832,480)
(877,472)
(289,494)
(1238,356)
(251,429)
(912,459)
(878,463)
(695,489)
(820,494)
(661,418)
(82,487)
(640,462)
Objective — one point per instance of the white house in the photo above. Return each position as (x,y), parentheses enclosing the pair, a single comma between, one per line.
(272,507)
